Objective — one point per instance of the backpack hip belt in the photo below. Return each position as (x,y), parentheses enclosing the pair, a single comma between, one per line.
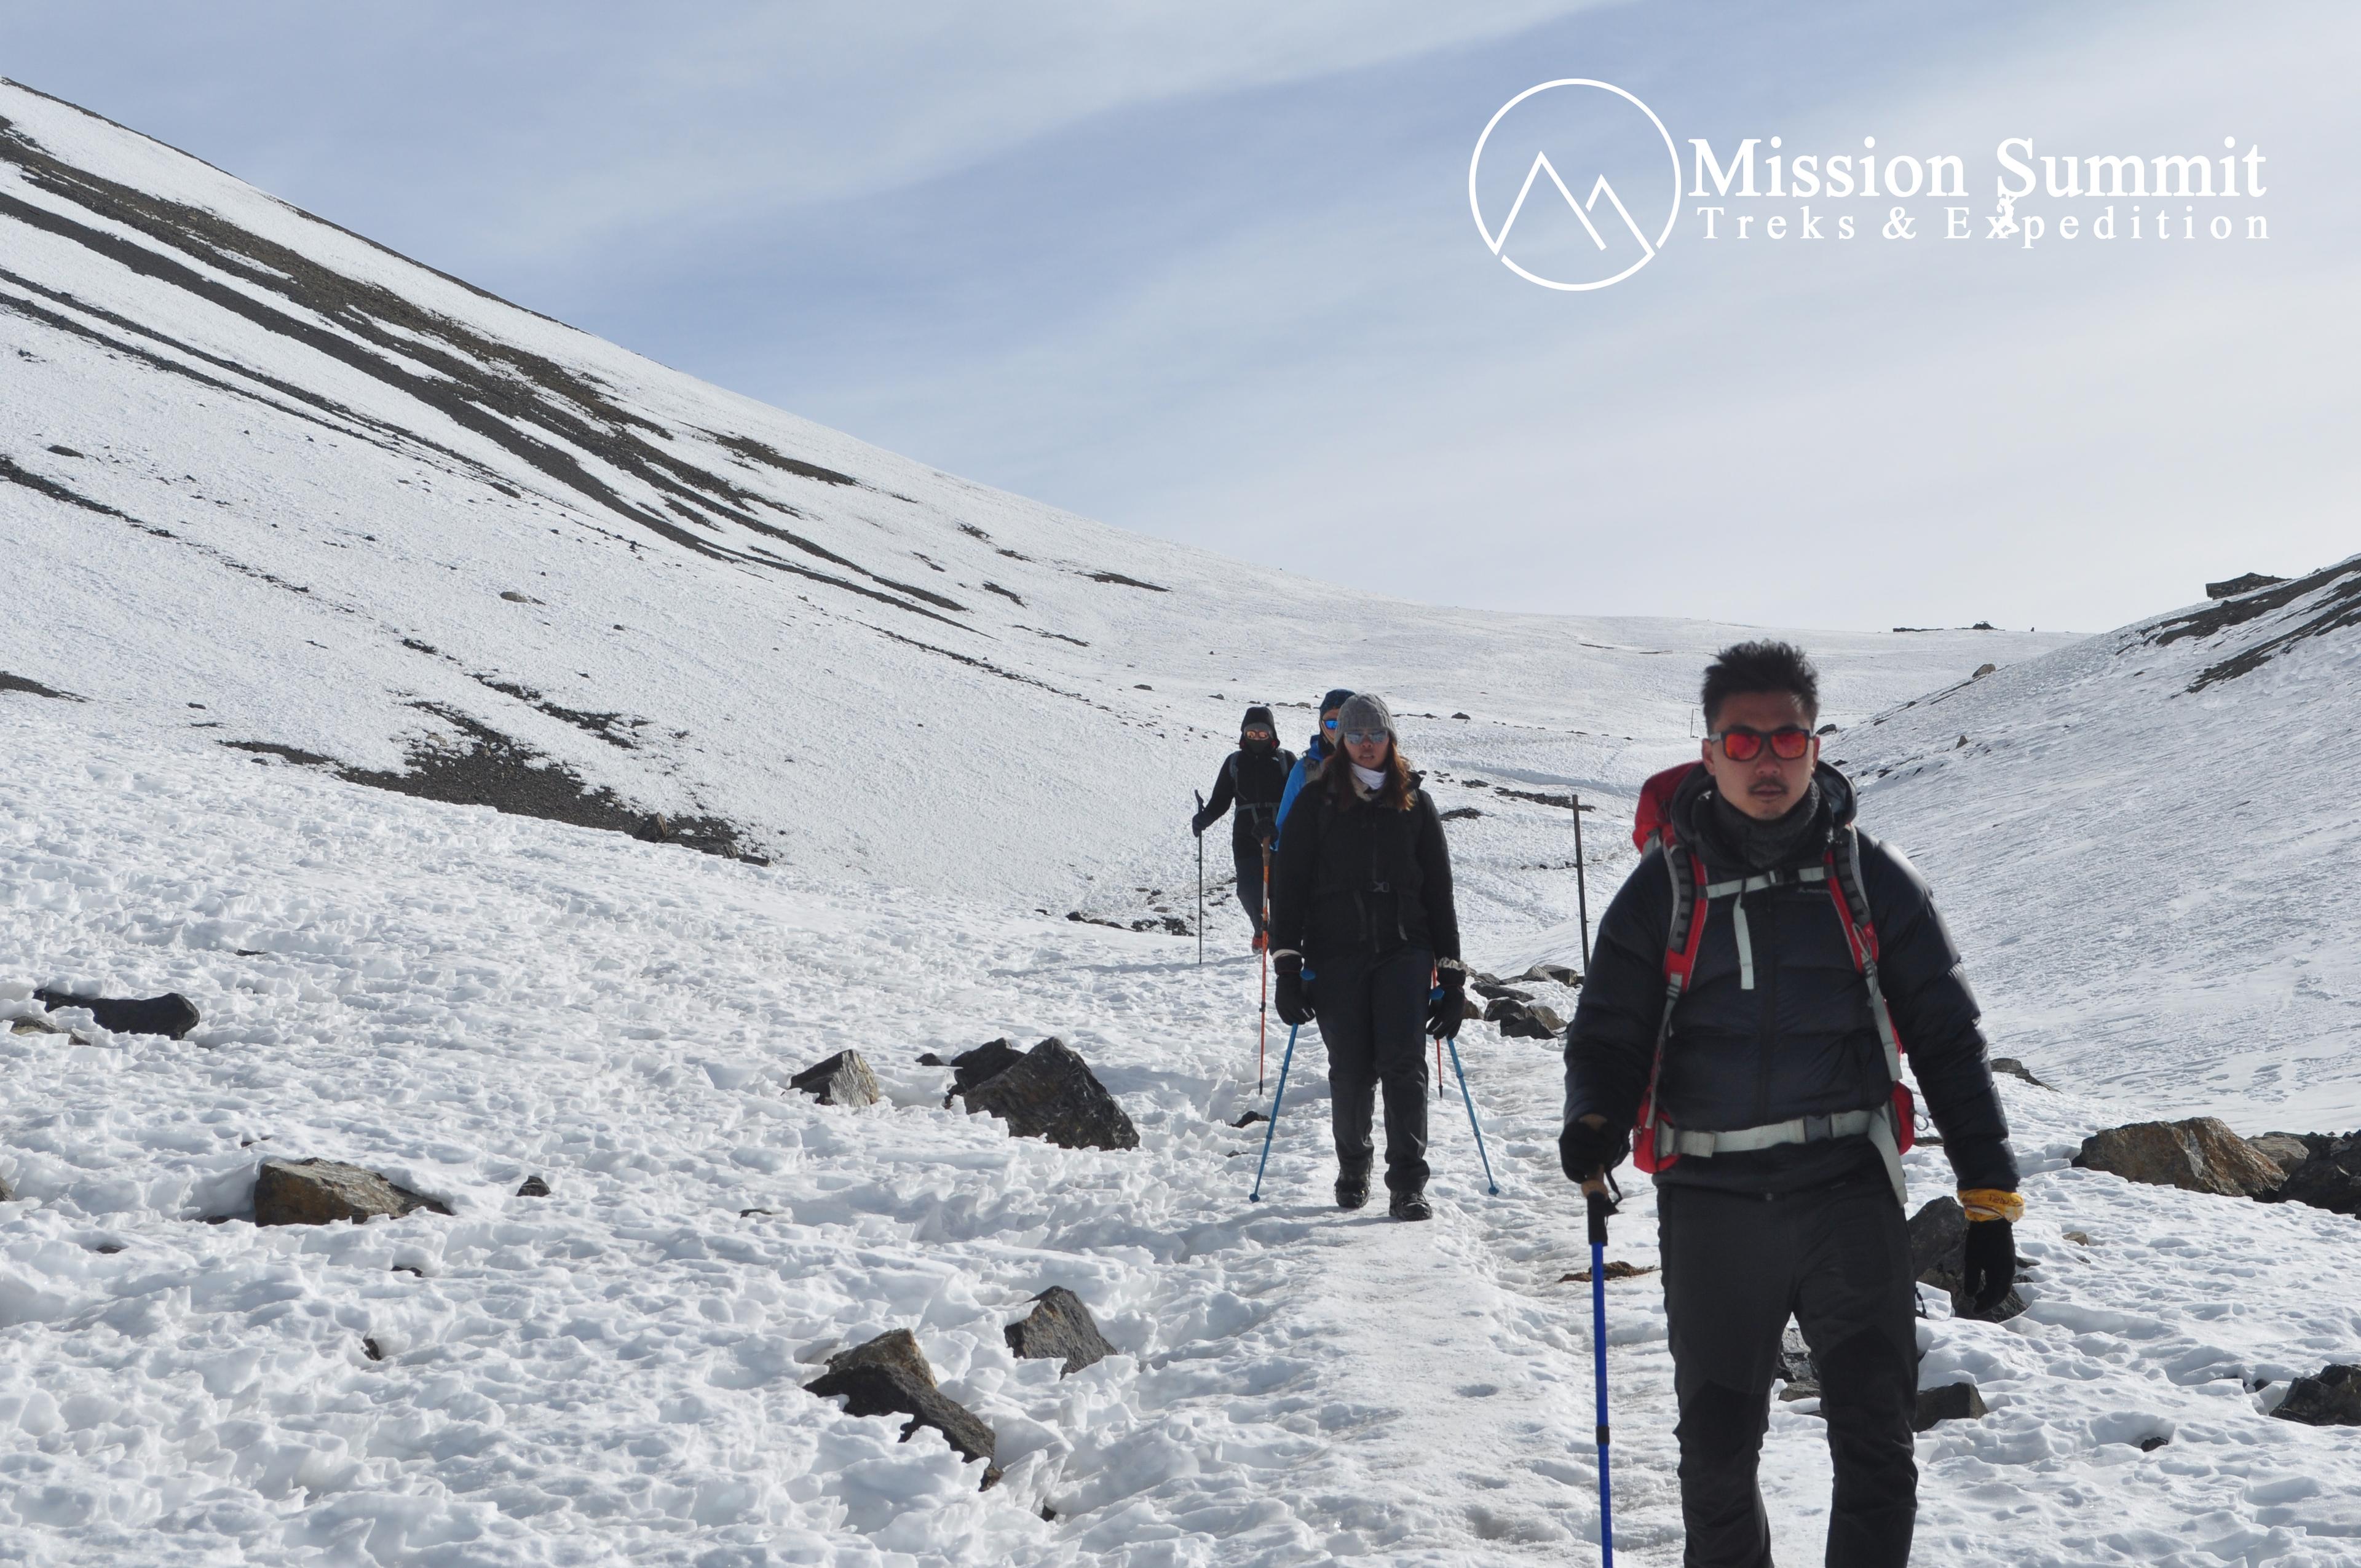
(1890,1127)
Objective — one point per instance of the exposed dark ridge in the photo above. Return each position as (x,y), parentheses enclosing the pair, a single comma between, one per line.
(40,484)
(2221,616)
(382,249)
(1009,594)
(1118,578)
(487,768)
(274,749)
(11,474)
(754,451)
(761,557)
(602,725)
(987,666)
(51,319)
(9,683)
(1061,636)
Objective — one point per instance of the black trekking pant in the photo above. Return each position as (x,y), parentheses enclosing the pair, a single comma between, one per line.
(1247,853)
(1372,1013)
(1736,1266)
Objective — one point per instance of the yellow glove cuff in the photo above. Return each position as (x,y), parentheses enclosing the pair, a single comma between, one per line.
(1991,1204)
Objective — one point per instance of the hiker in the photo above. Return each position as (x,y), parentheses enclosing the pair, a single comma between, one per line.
(1253,776)
(1363,929)
(1769,1107)
(1323,742)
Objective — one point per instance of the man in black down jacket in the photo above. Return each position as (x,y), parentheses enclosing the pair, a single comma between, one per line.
(1773,1071)
(1362,924)
(1253,776)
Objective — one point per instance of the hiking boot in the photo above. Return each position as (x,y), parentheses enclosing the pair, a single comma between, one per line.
(1352,1191)
(1410,1206)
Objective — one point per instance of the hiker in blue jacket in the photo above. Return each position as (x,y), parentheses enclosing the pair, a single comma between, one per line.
(1324,740)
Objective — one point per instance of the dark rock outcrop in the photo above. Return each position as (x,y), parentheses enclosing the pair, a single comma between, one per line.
(2326,1174)
(843,1079)
(2331,1399)
(1493,991)
(171,1015)
(1951,1402)
(532,1186)
(322,1191)
(1794,1368)
(1059,1327)
(1939,1247)
(2200,1155)
(1562,974)
(1525,1020)
(987,1061)
(2015,1069)
(2232,587)
(889,1375)
(1051,1093)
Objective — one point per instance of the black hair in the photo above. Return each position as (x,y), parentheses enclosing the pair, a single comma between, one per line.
(1763,666)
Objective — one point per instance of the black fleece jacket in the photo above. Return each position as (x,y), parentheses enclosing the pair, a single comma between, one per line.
(1801,1041)
(1362,878)
(1255,779)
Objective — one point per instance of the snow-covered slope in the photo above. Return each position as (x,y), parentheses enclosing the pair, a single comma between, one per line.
(297,478)
(279,485)
(2147,843)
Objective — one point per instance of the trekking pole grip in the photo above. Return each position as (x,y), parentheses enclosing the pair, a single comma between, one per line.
(1599,1208)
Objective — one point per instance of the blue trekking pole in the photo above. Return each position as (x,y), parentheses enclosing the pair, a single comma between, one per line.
(1470,1099)
(1599,1208)
(1255,1196)
(1490,1182)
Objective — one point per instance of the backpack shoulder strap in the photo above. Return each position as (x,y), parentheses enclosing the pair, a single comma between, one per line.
(1892,1133)
(1684,936)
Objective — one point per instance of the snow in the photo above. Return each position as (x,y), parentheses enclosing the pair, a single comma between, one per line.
(2144,879)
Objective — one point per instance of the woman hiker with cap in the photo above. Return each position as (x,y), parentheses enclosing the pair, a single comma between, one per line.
(1362,926)
(1253,776)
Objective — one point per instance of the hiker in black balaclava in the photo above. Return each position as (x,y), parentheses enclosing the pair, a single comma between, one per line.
(1252,777)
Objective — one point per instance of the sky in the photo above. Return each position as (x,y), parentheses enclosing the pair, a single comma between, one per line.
(1210,273)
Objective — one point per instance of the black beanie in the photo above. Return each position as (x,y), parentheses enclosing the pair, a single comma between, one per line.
(1337,697)
(1258,715)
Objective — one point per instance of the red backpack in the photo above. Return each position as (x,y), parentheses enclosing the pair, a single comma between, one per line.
(1657,1146)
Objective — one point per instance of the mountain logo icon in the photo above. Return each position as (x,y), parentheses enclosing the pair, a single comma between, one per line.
(1605,126)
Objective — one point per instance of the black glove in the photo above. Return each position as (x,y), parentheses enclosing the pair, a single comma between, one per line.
(1585,1151)
(1294,1002)
(1197,825)
(1446,1006)
(1991,1266)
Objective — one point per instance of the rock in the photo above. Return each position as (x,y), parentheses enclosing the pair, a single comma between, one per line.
(2327,1176)
(1249,1119)
(532,1186)
(985,1062)
(1794,1365)
(515,597)
(1471,1009)
(2289,1150)
(929,1059)
(2331,1399)
(2153,1441)
(1938,1245)
(1951,1402)
(2015,1069)
(1460,813)
(1616,1270)
(370,1348)
(1525,1021)
(1564,974)
(2200,1155)
(2233,586)
(1060,1325)
(1939,1240)
(171,1015)
(1051,1093)
(1500,992)
(1458,716)
(889,1376)
(1984,670)
(322,1191)
(842,1079)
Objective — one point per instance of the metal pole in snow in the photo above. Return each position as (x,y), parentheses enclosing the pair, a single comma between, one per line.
(1581,887)
(1489,1180)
